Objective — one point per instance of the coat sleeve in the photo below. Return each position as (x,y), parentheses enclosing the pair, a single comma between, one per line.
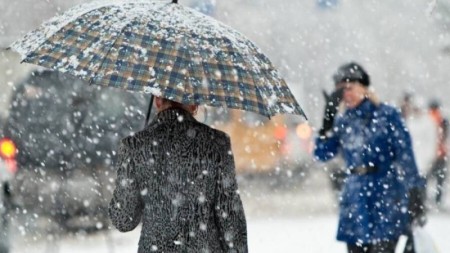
(126,206)
(229,211)
(403,153)
(327,147)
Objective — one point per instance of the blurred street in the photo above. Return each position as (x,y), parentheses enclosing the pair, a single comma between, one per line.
(284,217)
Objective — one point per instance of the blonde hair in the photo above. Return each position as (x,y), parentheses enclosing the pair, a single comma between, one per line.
(373,97)
(370,94)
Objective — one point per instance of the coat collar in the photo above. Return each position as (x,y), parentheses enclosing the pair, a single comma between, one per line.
(366,107)
(174,114)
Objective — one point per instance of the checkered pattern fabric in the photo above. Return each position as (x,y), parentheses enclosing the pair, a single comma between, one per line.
(160,48)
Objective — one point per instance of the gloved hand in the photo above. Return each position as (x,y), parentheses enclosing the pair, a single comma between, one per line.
(331,107)
(416,206)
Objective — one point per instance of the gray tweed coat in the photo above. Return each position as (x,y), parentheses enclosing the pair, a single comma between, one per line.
(177,176)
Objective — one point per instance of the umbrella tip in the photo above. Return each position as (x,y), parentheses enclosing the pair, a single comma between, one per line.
(174,1)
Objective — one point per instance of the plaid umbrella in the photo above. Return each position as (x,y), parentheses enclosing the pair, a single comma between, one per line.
(164,49)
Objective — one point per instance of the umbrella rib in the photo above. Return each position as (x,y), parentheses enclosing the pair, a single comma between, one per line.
(254,50)
(266,72)
(109,50)
(191,77)
(119,33)
(246,64)
(59,30)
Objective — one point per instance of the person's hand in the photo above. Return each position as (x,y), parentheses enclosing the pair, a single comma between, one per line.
(331,107)
(416,206)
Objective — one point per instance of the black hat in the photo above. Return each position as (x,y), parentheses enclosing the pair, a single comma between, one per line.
(351,72)
(434,104)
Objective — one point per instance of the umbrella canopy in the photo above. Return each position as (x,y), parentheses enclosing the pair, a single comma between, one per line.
(160,48)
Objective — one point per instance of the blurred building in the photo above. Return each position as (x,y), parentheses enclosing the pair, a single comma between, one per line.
(11,72)
(326,4)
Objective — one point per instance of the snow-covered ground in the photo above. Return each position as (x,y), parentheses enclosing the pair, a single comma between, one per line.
(284,218)
(309,234)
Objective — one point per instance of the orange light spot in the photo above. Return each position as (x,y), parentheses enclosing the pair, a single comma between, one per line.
(280,132)
(7,148)
(304,131)
(11,165)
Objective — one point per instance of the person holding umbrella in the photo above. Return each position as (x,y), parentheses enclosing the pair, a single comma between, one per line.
(178,177)
(166,50)
(383,193)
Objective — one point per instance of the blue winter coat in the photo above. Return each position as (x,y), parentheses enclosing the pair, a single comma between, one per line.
(372,206)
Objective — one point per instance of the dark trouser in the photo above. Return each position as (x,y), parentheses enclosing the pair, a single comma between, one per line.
(337,177)
(409,248)
(438,171)
(5,198)
(382,247)
(4,233)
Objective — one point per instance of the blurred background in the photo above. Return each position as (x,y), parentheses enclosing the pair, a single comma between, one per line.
(59,187)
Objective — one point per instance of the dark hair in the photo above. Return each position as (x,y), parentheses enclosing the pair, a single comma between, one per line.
(351,72)
(434,104)
(174,104)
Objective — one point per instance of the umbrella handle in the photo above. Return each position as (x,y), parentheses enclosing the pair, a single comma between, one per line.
(147,118)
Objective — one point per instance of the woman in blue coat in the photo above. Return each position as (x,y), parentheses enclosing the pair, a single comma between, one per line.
(380,197)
